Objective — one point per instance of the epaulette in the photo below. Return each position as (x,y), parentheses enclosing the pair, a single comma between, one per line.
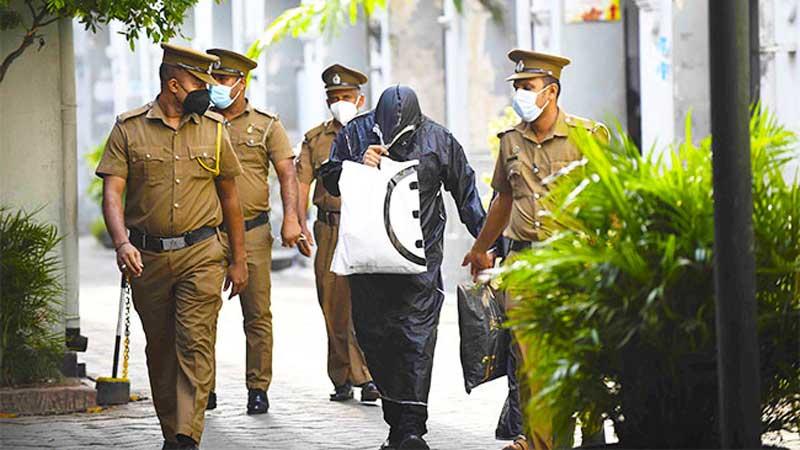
(134,112)
(214,116)
(576,121)
(507,130)
(316,131)
(263,111)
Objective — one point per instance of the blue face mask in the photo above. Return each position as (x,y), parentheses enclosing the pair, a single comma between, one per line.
(524,104)
(221,95)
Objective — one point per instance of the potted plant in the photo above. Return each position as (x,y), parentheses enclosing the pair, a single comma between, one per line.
(618,303)
(31,348)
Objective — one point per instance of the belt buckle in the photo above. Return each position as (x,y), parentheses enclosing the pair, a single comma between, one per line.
(175,243)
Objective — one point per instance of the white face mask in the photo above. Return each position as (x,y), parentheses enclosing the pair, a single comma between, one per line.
(524,104)
(344,111)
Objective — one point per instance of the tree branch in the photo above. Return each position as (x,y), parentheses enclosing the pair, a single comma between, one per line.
(26,42)
(29,38)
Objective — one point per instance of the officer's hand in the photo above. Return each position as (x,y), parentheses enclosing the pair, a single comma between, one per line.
(129,260)
(236,279)
(290,232)
(478,262)
(305,243)
(373,155)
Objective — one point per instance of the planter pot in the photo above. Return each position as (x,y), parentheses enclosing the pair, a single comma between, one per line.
(667,404)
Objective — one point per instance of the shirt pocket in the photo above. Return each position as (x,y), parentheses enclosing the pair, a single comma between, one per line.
(520,188)
(203,161)
(148,164)
(250,152)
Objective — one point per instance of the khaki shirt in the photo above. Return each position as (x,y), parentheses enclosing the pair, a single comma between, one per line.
(315,151)
(525,162)
(168,192)
(258,137)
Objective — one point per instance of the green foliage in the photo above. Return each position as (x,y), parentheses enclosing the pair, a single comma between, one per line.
(31,349)
(325,17)
(159,21)
(618,304)
(95,188)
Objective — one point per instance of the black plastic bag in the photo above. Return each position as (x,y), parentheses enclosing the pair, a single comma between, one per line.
(484,340)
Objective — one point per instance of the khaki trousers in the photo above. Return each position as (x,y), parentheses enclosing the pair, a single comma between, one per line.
(178,300)
(345,359)
(538,424)
(255,303)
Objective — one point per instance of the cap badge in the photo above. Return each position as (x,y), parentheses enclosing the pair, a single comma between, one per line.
(520,66)
(336,79)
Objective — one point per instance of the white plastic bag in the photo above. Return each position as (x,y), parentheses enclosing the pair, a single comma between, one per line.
(379,230)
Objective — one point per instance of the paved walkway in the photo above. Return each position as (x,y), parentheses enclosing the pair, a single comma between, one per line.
(300,416)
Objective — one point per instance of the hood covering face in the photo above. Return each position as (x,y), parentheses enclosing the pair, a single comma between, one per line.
(397,113)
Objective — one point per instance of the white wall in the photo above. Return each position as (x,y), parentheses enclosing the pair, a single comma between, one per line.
(37,142)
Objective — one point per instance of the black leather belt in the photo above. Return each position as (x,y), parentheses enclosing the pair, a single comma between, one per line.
(518,246)
(144,241)
(257,221)
(329,217)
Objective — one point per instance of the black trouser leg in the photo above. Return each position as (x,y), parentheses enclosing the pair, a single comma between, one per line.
(413,419)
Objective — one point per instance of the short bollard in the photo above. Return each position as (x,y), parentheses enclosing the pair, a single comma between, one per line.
(112,390)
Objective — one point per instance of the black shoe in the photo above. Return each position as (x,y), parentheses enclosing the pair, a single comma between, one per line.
(342,393)
(257,401)
(212,401)
(413,442)
(388,445)
(369,392)
(185,443)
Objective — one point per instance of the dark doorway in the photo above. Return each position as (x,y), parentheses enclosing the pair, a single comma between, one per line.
(632,77)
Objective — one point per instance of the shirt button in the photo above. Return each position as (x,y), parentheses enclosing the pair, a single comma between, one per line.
(177,205)
(535,169)
(537,224)
(177,157)
(250,141)
(147,155)
(538,145)
(177,180)
(537,196)
(205,155)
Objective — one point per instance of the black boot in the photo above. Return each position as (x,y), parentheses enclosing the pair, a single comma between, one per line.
(212,401)
(413,442)
(185,442)
(257,401)
(342,393)
(369,392)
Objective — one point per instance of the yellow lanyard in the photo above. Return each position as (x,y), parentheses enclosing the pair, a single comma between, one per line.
(215,170)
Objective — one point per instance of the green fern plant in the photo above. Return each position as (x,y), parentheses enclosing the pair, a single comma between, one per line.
(31,348)
(618,304)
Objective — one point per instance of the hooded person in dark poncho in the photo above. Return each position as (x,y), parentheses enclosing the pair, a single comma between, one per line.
(396,316)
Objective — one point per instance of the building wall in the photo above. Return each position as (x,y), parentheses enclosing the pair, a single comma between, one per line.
(691,90)
(37,142)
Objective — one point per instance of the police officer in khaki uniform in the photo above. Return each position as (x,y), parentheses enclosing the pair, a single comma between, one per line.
(174,163)
(259,139)
(532,155)
(346,365)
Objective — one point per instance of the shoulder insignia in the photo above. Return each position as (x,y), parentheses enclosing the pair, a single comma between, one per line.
(263,111)
(506,131)
(134,112)
(600,126)
(316,131)
(214,116)
(576,121)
